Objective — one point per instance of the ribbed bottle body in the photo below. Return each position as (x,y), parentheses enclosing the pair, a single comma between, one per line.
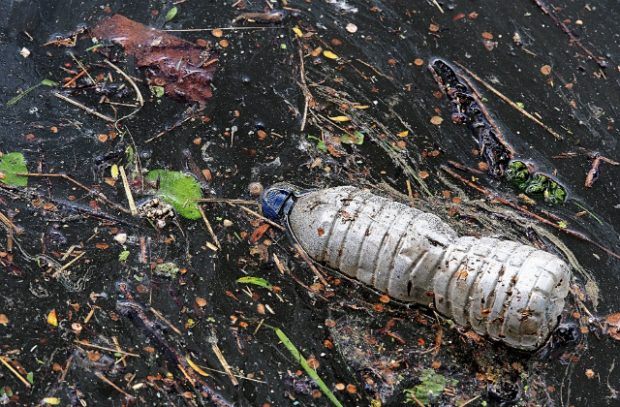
(508,291)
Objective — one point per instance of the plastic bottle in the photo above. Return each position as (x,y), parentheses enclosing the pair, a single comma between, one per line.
(508,291)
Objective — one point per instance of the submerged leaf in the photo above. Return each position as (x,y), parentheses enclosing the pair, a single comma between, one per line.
(11,164)
(179,190)
(256,281)
(184,69)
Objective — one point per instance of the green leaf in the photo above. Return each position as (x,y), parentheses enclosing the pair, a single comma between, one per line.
(554,194)
(30,377)
(320,144)
(304,364)
(431,387)
(168,269)
(11,164)
(157,91)
(172,13)
(123,256)
(518,173)
(256,281)
(356,138)
(537,184)
(179,190)
(49,83)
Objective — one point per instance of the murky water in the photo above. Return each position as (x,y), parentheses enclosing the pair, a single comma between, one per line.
(256,88)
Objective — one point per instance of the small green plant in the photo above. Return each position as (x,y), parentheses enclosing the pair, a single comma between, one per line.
(431,386)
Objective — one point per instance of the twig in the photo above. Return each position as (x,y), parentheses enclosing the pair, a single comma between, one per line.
(594,170)
(75,78)
(258,215)
(92,345)
(4,219)
(135,88)
(113,385)
(66,369)
(85,108)
(67,265)
(375,70)
(308,261)
(225,29)
(4,361)
(235,375)
(230,201)
(81,65)
(512,104)
(132,203)
(304,88)
(77,183)
(471,400)
(224,363)
(128,79)
(187,375)
(438,6)
(209,228)
(160,316)
(168,129)
(530,214)
(602,62)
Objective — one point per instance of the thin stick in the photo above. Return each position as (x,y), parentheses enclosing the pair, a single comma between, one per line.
(81,65)
(231,201)
(160,316)
(187,376)
(304,88)
(135,88)
(410,193)
(313,268)
(530,214)
(258,215)
(510,102)
(225,29)
(75,78)
(85,108)
(75,182)
(128,79)
(5,219)
(471,400)
(209,228)
(224,363)
(438,6)
(113,385)
(167,130)
(91,345)
(123,360)
(15,372)
(235,375)
(67,265)
(66,369)
(132,203)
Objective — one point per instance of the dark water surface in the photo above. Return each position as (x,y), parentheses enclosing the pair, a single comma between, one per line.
(257,88)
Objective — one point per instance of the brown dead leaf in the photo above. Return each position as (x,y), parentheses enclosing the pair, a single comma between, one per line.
(612,323)
(184,69)
(259,232)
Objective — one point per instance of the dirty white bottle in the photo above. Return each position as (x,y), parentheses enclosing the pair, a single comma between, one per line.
(508,291)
